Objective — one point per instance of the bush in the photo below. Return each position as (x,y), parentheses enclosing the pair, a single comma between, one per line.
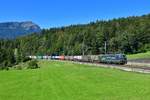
(18,67)
(33,64)
(25,59)
(5,65)
(4,68)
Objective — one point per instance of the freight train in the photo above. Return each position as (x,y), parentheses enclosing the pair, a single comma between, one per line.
(106,58)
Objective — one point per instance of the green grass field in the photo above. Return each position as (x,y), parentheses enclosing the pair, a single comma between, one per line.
(67,81)
(139,56)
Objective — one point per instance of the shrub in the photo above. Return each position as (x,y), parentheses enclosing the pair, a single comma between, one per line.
(2,67)
(25,59)
(33,64)
(18,67)
(6,68)
(5,65)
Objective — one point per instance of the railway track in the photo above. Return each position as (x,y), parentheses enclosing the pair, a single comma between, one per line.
(128,67)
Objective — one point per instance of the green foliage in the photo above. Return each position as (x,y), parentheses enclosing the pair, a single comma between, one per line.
(10,55)
(4,66)
(18,67)
(33,64)
(26,59)
(126,35)
(7,58)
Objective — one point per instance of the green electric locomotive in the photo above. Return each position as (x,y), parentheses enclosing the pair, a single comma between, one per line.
(113,58)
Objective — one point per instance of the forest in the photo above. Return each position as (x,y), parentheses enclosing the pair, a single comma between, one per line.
(122,35)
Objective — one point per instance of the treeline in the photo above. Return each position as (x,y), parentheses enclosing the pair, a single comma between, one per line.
(122,35)
(6,54)
(10,55)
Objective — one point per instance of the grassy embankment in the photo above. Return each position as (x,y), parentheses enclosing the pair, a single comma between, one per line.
(139,56)
(67,81)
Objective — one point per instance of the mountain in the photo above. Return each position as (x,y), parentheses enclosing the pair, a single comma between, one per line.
(14,29)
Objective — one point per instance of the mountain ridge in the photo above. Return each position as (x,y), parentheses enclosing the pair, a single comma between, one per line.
(14,29)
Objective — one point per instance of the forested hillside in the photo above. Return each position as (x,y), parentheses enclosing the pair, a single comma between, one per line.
(123,35)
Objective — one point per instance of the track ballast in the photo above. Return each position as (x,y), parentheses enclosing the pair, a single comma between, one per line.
(127,67)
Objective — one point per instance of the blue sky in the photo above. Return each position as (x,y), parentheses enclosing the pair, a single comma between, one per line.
(56,13)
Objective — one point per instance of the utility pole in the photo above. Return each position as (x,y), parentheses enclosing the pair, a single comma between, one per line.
(105,47)
(105,39)
(83,45)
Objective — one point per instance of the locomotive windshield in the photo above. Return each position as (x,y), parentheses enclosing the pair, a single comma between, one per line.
(120,56)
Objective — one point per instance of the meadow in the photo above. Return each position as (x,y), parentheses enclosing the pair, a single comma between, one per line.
(68,81)
(145,55)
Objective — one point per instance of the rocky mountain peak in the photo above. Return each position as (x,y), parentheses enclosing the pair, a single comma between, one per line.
(15,29)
